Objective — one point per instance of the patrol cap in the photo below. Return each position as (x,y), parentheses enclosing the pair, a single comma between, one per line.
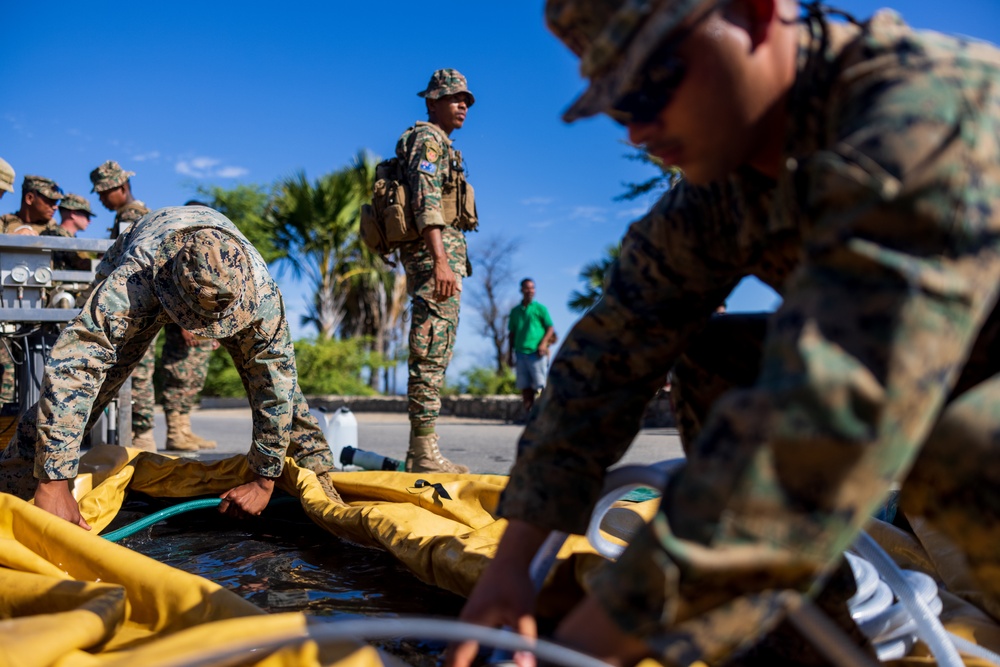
(204,279)
(6,176)
(76,203)
(613,39)
(43,186)
(447,82)
(109,176)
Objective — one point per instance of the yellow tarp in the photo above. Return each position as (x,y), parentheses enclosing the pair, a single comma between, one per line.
(71,598)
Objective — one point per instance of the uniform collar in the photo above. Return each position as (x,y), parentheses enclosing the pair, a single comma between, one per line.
(437,130)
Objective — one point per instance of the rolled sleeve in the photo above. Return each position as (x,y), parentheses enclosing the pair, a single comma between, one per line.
(265,359)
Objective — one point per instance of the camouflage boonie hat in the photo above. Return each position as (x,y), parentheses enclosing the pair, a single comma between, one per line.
(109,176)
(76,203)
(43,186)
(6,176)
(447,82)
(613,39)
(204,280)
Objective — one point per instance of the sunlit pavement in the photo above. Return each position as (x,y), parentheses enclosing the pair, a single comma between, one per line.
(486,446)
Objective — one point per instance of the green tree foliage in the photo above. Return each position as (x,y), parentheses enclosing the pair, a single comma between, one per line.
(316,228)
(483,381)
(246,206)
(594,276)
(336,366)
(222,378)
(324,367)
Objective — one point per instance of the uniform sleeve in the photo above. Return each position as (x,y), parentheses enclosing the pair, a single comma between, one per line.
(131,214)
(613,361)
(425,164)
(265,359)
(900,269)
(116,315)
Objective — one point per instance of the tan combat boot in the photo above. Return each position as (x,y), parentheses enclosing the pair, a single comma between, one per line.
(144,441)
(201,442)
(424,456)
(177,440)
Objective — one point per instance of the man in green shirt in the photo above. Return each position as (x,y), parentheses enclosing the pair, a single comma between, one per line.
(531,334)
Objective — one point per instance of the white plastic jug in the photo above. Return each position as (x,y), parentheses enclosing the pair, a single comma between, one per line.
(341,431)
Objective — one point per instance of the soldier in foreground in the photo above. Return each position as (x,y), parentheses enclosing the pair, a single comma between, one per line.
(39,198)
(113,185)
(435,263)
(855,168)
(191,266)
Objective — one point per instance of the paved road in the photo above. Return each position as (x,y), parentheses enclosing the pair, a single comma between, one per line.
(483,445)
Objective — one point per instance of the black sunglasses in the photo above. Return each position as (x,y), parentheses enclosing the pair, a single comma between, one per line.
(659,78)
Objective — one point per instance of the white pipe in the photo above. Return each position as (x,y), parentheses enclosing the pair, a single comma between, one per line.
(929,628)
(438,629)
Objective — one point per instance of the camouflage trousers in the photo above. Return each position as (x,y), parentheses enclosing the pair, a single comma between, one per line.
(670,578)
(433,326)
(143,393)
(307,446)
(184,369)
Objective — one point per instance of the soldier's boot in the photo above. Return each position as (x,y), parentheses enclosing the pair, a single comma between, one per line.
(201,442)
(177,440)
(424,456)
(144,441)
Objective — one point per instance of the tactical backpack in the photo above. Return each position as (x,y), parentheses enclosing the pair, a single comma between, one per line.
(388,221)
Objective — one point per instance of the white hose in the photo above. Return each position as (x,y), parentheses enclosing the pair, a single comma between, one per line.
(929,628)
(618,483)
(387,628)
(974,650)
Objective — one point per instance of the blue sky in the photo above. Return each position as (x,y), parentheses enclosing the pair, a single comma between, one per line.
(220,93)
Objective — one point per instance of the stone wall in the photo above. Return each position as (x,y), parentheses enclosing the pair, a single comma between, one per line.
(502,408)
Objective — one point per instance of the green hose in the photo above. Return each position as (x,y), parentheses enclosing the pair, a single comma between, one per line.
(156,517)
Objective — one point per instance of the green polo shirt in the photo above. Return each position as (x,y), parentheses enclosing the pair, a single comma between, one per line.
(527,325)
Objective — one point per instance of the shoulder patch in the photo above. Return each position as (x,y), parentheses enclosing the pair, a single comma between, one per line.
(427,167)
(432,151)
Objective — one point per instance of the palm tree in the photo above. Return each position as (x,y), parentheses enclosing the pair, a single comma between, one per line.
(376,304)
(594,275)
(316,227)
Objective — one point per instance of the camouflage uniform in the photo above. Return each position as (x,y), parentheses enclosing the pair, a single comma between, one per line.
(881,234)
(11,223)
(435,174)
(143,392)
(108,176)
(66,259)
(184,370)
(147,287)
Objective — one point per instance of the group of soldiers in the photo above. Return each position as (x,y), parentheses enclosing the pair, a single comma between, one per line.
(185,358)
(853,166)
